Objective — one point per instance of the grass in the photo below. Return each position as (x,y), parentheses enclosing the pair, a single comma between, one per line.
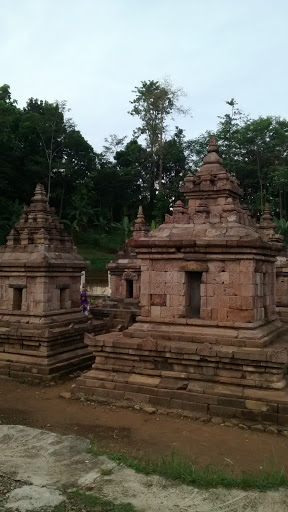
(178,468)
(98,257)
(81,501)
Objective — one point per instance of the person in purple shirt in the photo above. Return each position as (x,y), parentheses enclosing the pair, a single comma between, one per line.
(85,304)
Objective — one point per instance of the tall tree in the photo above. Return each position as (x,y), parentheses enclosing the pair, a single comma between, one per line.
(113,143)
(154,103)
(51,125)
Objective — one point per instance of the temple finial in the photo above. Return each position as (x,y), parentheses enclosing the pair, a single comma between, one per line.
(39,194)
(266,217)
(140,228)
(212,146)
(140,216)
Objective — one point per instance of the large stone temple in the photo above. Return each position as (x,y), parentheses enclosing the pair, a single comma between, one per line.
(208,338)
(41,325)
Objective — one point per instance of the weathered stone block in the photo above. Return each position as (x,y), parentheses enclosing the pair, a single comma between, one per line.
(136,397)
(283,419)
(159,401)
(157,299)
(220,410)
(173,383)
(256,406)
(155,311)
(248,414)
(143,380)
(234,403)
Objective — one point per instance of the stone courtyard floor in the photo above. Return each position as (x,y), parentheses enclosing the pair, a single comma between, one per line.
(38,465)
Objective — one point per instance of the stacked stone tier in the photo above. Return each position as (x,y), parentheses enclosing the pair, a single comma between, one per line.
(264,368)
(211,379)
(35,353)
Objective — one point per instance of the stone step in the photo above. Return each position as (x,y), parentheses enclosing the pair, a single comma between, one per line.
(225,401)
(213,363)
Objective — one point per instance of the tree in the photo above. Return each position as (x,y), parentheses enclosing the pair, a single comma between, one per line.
(264,148)
(154,103)
(228,130)
(38,144)
(51,126)
(256,152)
(10,154)
(113,143)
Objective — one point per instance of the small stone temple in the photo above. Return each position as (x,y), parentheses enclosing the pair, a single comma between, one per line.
(208,338)
(41,325)
(125,269)
(122,307)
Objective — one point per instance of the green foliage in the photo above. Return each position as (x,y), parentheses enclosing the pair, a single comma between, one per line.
(84,502)
(161,206)
(256,151)
(154,103)
(9,215)
(180,469)
(153,225)
(97,195)
(282,228)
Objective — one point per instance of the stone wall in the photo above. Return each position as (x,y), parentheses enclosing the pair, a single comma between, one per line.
(215,381)
(41,325)
(208,338)
(232,290)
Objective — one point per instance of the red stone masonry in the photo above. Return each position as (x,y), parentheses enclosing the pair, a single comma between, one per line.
(41,325)
(208,304)
(126,267)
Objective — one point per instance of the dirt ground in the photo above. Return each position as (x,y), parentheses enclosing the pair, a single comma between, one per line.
(44,466)
(138,433)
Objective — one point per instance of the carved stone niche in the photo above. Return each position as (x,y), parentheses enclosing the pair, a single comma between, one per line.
(130,276)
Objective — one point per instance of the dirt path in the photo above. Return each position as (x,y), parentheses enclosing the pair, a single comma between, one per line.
(138,433)
(45,465)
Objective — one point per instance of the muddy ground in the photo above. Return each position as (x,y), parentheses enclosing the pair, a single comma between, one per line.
(137,433)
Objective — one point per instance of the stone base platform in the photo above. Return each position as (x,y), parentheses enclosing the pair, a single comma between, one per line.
(38,353)
(282,312)
(217,380)
(250,335)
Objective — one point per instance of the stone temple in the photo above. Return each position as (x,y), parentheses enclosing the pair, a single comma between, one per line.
(125,270)
(208,338)
(122,307)
(41,325)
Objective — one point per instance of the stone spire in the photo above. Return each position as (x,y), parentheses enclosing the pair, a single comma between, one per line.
(39,226)
(267,227)
(212,183)
(266,218)
(202,212)
(140,228)
(39,196)
(213,146)
(212,158)
(179,215)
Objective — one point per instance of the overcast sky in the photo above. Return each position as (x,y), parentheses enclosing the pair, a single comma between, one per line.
(92,53)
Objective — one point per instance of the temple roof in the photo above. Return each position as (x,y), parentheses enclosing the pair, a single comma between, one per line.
(39,226)
(211,179)
(214,213)
(38,241)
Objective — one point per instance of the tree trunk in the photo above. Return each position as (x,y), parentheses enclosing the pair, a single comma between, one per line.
(61,203)
(49,178)
(260,183)
(280,204)
(161,156)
